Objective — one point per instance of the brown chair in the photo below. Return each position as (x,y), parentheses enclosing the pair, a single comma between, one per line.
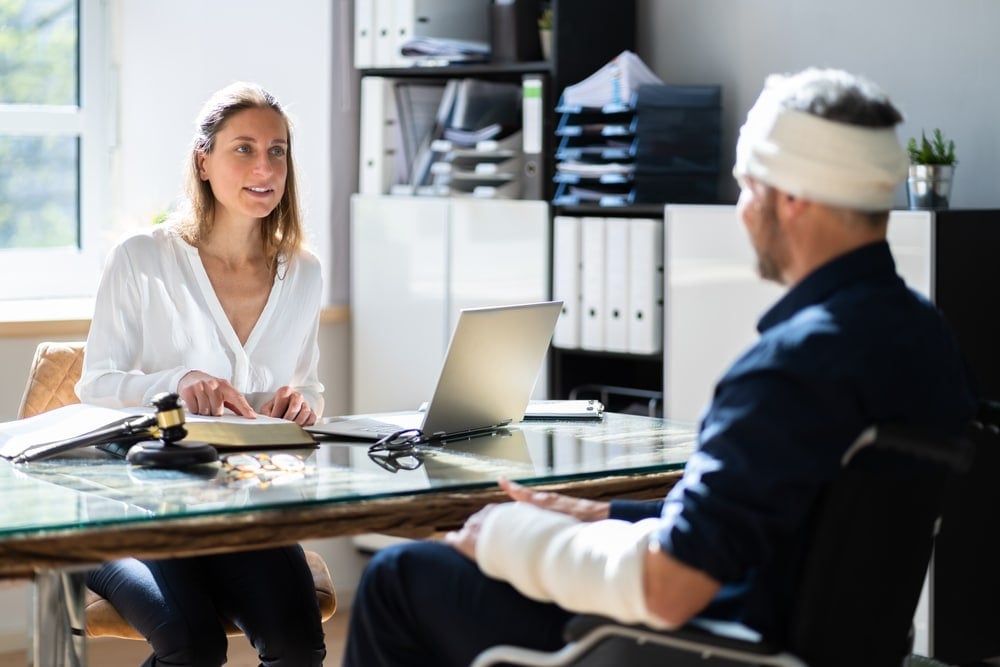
(54,371)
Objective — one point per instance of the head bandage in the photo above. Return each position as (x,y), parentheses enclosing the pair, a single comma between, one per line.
(829,162)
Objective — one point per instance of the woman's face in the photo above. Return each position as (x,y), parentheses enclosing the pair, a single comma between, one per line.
(248,164)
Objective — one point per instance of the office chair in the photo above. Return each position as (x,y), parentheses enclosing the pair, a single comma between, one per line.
(873,530)
(54,372)
(964,577)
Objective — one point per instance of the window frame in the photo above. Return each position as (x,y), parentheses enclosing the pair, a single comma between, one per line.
(69,272)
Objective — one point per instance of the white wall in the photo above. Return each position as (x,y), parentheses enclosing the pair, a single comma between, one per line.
(173,55)
(937,60)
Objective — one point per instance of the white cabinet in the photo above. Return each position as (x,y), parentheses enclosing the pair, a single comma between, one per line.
(713,296)
(415,263)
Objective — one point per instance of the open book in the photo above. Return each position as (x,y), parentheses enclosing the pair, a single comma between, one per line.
(77,421)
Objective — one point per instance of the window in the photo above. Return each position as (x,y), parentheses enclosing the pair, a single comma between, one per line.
(54,146)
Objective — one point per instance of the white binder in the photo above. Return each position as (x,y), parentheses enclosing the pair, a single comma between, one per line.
(616,284)
(592,283)
(533,114)
(566,280)
(645,327)
(377,144)
(404,28)
(364,33)
(385,51)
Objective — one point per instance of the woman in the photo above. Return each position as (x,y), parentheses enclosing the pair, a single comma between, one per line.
(221,305)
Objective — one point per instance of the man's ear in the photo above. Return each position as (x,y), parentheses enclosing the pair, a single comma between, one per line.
(789,207)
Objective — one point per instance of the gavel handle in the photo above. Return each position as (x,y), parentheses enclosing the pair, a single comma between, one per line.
(130,429)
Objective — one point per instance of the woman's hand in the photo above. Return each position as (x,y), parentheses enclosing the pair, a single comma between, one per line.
(205,394)
(578,508)
(289,404)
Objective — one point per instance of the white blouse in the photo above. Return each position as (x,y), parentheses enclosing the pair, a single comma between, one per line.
(157,317)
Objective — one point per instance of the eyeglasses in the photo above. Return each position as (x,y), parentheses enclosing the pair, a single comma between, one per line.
(400,441)
(394,461)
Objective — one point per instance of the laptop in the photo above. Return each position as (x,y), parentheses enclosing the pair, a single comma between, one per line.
(489,370)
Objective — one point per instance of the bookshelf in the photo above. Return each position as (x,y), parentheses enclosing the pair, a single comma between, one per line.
(586,34)
(425,235)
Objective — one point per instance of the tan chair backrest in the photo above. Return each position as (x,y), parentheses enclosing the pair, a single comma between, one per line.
(54,372)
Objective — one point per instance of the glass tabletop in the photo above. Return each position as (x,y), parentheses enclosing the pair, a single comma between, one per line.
(89,488)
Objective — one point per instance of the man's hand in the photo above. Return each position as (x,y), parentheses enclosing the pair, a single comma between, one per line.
(466,537)
(289,404)
(578,508)
(205,394)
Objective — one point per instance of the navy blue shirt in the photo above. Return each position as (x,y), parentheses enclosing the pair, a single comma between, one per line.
(848,347)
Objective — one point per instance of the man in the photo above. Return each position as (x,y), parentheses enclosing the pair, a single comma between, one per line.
(846,347)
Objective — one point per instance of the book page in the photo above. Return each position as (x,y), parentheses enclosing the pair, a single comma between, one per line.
(65,422)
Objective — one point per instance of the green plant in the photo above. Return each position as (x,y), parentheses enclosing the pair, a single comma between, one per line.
(936,151)
(545,20)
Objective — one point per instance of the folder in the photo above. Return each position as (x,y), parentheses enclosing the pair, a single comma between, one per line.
(417,103)
(532,116)
(592,283)
(385,51)
(379,130)
(645,327)
(364,33)
(432,146)
(616,284)
(404,22)
(566,280)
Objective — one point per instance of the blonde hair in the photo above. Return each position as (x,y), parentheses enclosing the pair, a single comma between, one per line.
(281,231)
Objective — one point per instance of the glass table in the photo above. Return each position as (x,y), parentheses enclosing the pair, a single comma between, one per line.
(62,515)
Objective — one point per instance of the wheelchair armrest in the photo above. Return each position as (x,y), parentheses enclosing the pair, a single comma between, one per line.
(714,634)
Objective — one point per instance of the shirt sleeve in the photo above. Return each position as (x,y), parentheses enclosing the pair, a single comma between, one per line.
(768,444)
(111,375)
(635,510)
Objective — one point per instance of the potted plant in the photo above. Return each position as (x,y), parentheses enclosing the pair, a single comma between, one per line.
(545,32)
(932,169)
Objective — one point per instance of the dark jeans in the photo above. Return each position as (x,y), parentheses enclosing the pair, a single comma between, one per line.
(176,604)
(423,603)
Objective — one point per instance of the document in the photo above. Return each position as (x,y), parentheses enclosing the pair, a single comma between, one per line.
(76,421)
(589,409)
(449,50)
(613,85)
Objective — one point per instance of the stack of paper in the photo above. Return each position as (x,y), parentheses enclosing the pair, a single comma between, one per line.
(451,50)
(613,85)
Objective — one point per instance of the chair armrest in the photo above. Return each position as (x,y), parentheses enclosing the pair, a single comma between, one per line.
(716,634)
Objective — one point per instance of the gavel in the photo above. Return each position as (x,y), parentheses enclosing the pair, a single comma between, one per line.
(169,449)
(155,440)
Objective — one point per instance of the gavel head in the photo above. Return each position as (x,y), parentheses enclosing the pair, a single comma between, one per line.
(169,417)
